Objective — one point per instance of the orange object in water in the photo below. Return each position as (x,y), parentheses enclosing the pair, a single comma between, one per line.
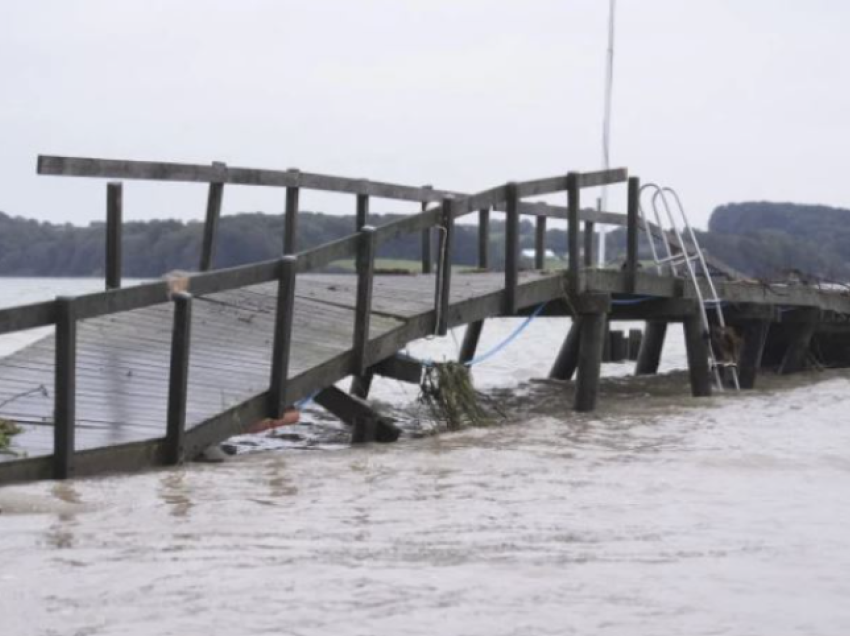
(290,416)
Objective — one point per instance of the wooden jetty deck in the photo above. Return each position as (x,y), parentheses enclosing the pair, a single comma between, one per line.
(153,374)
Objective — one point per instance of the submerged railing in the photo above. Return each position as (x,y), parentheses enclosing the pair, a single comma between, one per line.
(64,313)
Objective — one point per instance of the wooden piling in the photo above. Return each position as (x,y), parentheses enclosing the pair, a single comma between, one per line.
(215,196)
(632,214)
(573,229)
(65,388)
(282,343)
(567,360)
(696,345)
(749,359)
(444,267)
(290,220)
(114,214)
(178,379)
(361,385)
(795,356)
(511,248)
(592,342)
(634,342)
(470,341)
(363,309)
(540,243)
(649,355)
(619,349)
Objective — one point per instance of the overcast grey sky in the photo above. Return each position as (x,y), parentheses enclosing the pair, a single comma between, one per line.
(727,100)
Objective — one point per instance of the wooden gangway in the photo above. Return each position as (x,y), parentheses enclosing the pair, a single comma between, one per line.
(155,373)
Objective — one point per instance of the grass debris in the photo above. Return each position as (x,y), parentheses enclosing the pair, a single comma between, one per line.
(448,392)
(8,430)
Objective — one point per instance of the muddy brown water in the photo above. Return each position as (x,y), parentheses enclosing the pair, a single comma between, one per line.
(658,514)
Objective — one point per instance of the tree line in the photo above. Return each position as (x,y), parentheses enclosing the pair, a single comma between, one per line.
(763,240)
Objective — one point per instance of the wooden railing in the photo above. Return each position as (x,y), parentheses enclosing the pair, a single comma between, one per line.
(65,312)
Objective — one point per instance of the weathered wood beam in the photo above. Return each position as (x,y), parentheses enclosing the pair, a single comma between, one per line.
(567,359)
(649,355)
(282,342)
(363,309)
(400,368)
(696,346)
(290,220)
(573,193)
(749,359)
(65,388)
(511,249)
(470,341)
(633,213)
(427,248)
(178,379)
(795,356)
(540,243)
(114,225)
(484,239)
(444,268)
(592,343)
(215,196)
(355,411)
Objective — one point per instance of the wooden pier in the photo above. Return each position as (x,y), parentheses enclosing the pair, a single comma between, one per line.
(153,374)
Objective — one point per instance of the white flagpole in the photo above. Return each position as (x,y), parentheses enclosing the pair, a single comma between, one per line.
(606,124)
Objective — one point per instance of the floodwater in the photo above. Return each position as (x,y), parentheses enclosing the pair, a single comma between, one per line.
(659,514)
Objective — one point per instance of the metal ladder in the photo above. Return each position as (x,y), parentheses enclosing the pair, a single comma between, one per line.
(673,261)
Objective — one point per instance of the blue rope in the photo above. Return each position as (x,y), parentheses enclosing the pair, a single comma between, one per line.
(502,345)
(300,404)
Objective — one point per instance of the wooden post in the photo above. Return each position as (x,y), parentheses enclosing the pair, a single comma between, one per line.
(484,239)
(215,195)
(511,248)
(749,360)
(470,341)
(114,205)
(444,267)
(649,355)
(593,330)
(427,251)
(362,384)
(281,346)
(178,379)
(632,214)
(567,360)
(363,309)
(65,388)
(634,340)
(362,211)
(619,349)
(540,243)
(573,203)
(588,244)
(795,356)
(290,219)
(696,345)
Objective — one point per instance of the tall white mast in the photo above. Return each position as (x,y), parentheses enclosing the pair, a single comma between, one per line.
(606,123)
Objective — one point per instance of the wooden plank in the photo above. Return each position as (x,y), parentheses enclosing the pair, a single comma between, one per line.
(511,248)
(426,251)
(602,177)
(797,352)
(64,410)
(281,349)
(363,311)
(539,187)
(752,349)
(114,222)
(215,197)
(589,260)
(23,317)
(178,379)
